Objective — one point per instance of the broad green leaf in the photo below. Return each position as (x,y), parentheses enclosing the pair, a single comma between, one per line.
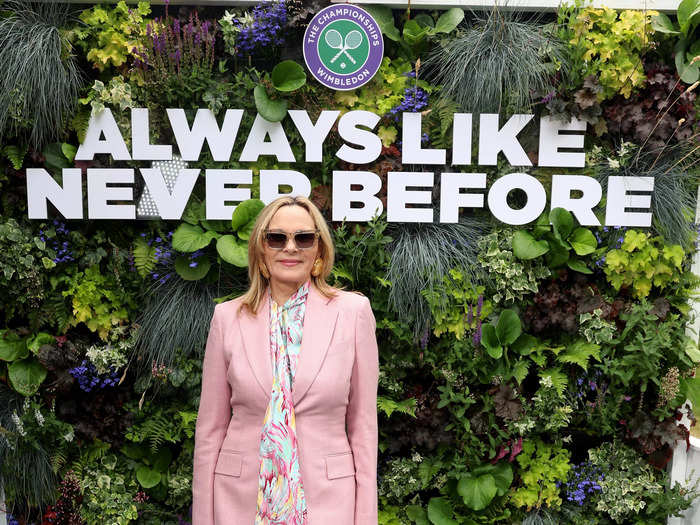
(162,459)
(424,20)
(583,241)
(69,151)
(503,475)
(288,76)
(270,110)
(692,351)
(662,23)
(489,339)
(440,512)
(525,246)
(558,252)
(12,346)
(508,328)
(246,212)
(578,266)
(688,10)
(417,515)
(26,375)
(147,477)
(414,33)
(54,157)
(690,387)
(189,238)
(524,344)
(495,352)
(232,251)
(385,19)
(449,20)
(192,273)
(477,492)
(38,340)
(563,222)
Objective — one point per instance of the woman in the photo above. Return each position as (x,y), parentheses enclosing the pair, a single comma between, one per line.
(301,445)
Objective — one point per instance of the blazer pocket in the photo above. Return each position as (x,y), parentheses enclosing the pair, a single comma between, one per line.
(229,463)
(340,465)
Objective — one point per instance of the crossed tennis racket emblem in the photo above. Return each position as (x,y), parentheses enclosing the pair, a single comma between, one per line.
(335,40)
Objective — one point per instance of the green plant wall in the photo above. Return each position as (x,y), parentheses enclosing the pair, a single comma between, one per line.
(530,374)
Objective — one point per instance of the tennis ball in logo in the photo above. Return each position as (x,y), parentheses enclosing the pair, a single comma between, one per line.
(343,47)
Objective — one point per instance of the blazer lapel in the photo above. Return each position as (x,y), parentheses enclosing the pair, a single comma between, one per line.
(319,323)
(255,331)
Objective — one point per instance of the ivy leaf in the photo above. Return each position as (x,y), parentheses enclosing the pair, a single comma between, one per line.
(579,354)
(525,246)
(477,492)
(583,241)
(440,512)
(508,328)
(270,110)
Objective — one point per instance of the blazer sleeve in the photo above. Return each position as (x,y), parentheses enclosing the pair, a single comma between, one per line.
(213,418)
(362,415)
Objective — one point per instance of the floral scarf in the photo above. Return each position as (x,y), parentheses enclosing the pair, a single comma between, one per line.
(280,490)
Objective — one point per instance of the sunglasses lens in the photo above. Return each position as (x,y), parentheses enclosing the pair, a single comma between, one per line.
(276,240)
(305,240)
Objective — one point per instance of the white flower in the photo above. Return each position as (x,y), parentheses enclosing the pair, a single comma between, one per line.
(613,163)
(18,424)
(546,381)
(39,418)
(69,436)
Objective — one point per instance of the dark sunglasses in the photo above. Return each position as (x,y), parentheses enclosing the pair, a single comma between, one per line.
(303,240)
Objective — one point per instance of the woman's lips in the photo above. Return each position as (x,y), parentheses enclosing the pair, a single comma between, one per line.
(290,263)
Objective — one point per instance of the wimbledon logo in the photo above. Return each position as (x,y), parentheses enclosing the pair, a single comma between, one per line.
(343,47)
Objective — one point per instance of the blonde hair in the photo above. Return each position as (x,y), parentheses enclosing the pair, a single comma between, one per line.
(258,283)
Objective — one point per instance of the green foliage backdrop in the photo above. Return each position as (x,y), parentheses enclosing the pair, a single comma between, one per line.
(528,375)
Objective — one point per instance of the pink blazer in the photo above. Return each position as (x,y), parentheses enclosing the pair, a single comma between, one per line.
(335,402)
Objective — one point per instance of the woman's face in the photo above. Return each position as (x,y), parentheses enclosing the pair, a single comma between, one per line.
(290,265)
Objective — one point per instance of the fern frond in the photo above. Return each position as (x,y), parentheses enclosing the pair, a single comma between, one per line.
(144,257)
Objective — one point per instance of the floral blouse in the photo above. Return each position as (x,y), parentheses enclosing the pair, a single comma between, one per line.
(280,490)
